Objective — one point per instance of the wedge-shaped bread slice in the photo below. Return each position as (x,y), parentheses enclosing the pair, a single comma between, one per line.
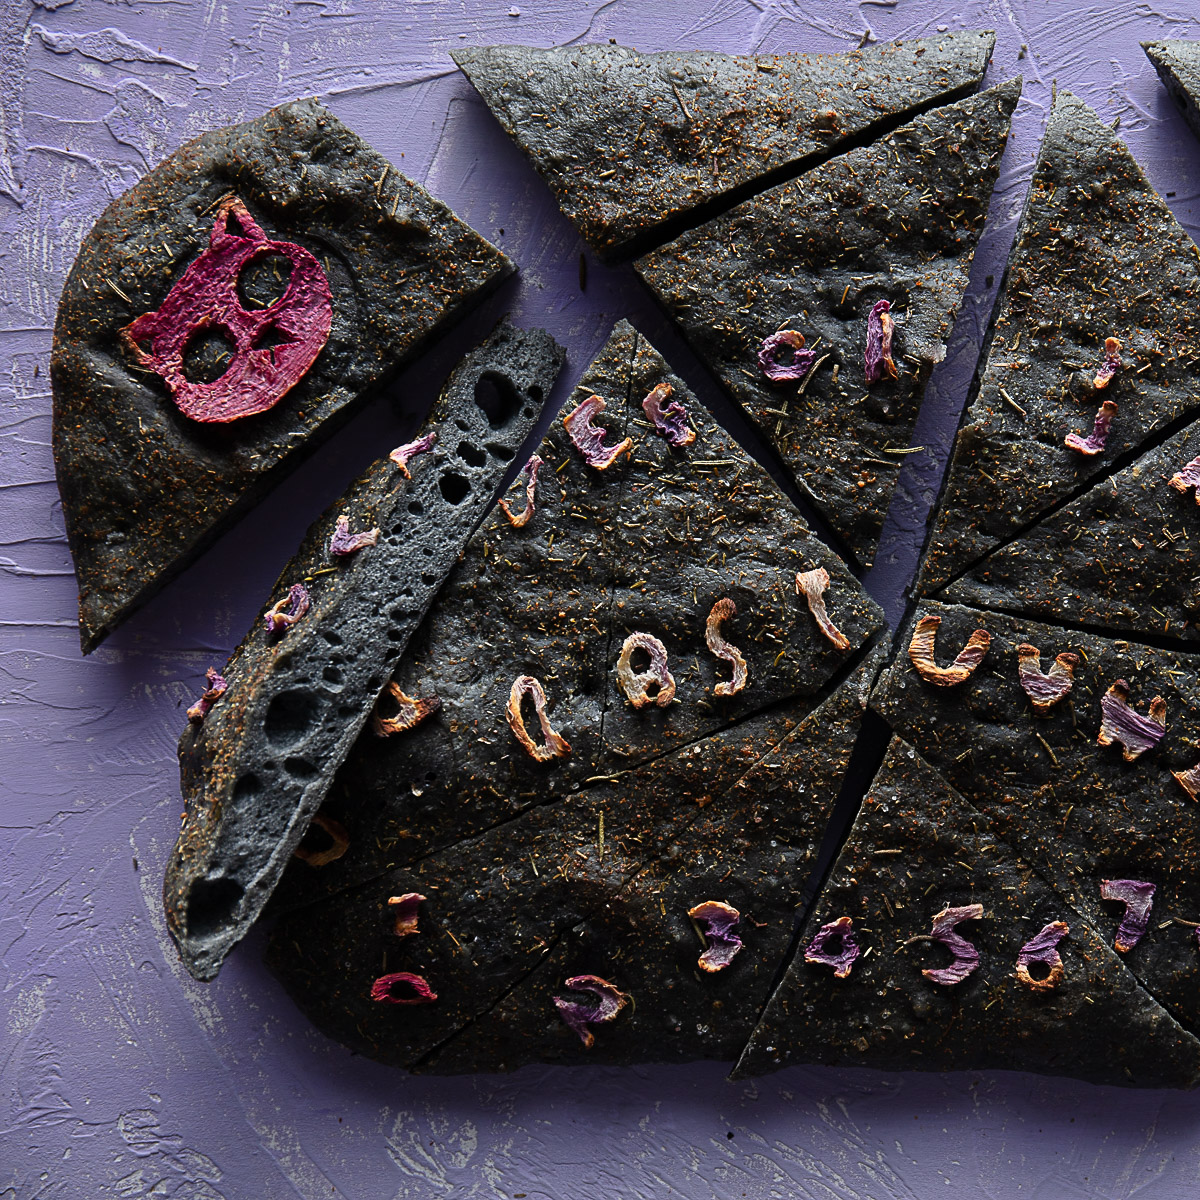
(892,223)
(706,553)
(1097,256)
(1079,809)
(1120,558)
(917,848)
(634,144)
(609,553)
(501,907)
(1178,65)
(494,904)
(280,269)
(257,765)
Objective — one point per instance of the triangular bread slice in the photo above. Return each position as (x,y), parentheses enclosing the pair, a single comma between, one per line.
(916,848)
(1118,559)
(893,223)
(1081,787)
(1098,256)
(632,144)
(707,549)
(335,252)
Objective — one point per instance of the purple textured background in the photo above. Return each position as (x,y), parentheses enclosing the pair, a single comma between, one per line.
(120,1076)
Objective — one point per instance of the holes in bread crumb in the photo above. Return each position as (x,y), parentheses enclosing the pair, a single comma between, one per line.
(332,675)
(416,507)
(291,717)
(454,487)
(211,905)
(497,397)
(502,452)
(471,454)
(299,768)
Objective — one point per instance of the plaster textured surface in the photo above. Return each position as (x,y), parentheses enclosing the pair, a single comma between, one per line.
(119,1075)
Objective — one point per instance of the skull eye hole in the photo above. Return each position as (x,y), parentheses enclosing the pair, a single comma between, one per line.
(207,354)
(263,281)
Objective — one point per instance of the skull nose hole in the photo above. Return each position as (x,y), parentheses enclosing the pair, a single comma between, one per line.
(497,397)
(207,355)
(271,337)
(263,281)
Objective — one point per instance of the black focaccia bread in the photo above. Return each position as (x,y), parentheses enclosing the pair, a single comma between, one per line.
(1082,788)
(1120,558)
(633,144)
(1178,65)
(608,554)
(504,911)
(1098,256)
(891,224)
(222,317)
(917,848)
(300,687)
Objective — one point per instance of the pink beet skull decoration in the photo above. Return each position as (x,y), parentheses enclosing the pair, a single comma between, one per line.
(258,375)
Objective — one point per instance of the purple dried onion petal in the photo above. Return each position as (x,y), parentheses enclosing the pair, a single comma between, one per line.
(404,909)
(403,455)
(1043,948)
(1111,364)
(1119,722)
(555,745)
(589,440)
(921,653)
(966,957)
(1095,440)
(878,356)
(383,989)
(720,920)
(1189,780)
(343,544)
(842,962)
(289,610)
(812,585)
(634,684)
(1186,477)
(522,518)
(721,611)
(670,420)
(1045,690)
(1138,897)
(768,357)
(215,690)
(206,296)
(579,1014)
